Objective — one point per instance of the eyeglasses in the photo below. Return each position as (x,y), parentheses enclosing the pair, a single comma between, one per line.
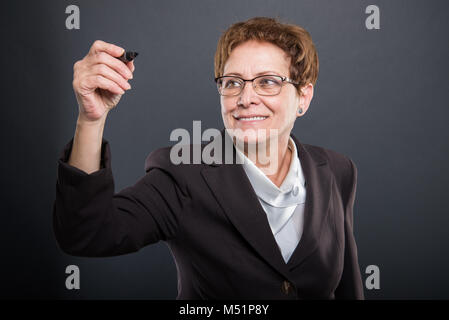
(266,85)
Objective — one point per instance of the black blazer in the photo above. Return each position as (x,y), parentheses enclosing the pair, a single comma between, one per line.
(216,229)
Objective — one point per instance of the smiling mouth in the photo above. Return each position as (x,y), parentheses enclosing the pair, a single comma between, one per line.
(258,118)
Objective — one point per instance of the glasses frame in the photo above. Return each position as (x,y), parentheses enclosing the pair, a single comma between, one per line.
(283,79)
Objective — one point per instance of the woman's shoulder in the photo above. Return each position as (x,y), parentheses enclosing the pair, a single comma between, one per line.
(157,158)
(341,165)
(175,158)
(334,157)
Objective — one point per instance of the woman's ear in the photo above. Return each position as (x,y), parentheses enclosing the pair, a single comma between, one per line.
(304,99)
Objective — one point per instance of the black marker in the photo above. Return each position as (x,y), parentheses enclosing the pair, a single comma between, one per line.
(128,56)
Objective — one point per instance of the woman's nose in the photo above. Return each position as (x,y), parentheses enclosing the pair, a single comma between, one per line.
(248,96)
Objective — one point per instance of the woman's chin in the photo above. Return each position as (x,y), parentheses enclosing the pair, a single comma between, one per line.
(250,140)
(250,135)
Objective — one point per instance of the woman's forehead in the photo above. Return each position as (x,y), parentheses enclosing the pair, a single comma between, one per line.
(256,58)
(240,68)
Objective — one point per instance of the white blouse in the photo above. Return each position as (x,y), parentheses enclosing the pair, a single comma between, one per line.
(284,206)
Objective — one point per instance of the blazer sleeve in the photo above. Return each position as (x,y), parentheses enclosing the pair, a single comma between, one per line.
(91,220)
(350,286)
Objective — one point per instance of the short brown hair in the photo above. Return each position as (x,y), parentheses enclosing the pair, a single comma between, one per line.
(295,41)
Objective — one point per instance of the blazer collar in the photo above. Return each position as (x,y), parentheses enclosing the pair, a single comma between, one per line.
(233,191)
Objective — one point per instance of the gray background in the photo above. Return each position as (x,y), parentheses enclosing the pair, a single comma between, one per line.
(381,98)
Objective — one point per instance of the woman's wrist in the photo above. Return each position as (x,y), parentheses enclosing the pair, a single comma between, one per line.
(84,122)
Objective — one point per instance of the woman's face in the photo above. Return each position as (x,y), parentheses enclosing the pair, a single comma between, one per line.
(249,60)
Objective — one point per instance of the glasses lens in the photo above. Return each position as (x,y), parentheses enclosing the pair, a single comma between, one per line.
(268,85)
(229,86)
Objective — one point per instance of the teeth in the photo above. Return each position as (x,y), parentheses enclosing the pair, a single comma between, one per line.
(252,118)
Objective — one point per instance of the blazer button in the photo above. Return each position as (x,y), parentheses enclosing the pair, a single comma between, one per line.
(286,287)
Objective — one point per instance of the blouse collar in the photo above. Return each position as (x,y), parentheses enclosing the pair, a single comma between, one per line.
(292,190)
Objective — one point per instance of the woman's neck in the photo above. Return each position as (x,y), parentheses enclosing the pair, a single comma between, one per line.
(273,161)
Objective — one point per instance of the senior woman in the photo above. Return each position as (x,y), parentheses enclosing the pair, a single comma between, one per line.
(235,230)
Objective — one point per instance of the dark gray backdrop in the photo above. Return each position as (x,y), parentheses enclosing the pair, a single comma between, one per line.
(381,98)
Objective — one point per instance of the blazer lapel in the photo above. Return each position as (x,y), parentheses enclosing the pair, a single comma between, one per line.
(318,179)
(235,194)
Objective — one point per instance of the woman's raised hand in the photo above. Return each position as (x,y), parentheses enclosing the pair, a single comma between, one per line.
(100,80)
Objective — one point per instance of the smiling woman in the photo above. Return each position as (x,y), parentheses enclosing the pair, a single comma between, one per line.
(235,231)
(281,62)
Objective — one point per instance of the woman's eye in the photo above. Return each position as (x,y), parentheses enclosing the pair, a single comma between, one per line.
(268,82)
(231,84)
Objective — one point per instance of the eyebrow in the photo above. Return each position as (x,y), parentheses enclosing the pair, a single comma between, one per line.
(257,74)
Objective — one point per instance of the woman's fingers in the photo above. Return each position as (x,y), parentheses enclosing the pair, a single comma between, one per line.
(98,81)
(109,48)
(101,69)
(131,65)
(108,73)
(110,61)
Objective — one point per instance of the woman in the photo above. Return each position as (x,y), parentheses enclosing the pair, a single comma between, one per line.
(239,230)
